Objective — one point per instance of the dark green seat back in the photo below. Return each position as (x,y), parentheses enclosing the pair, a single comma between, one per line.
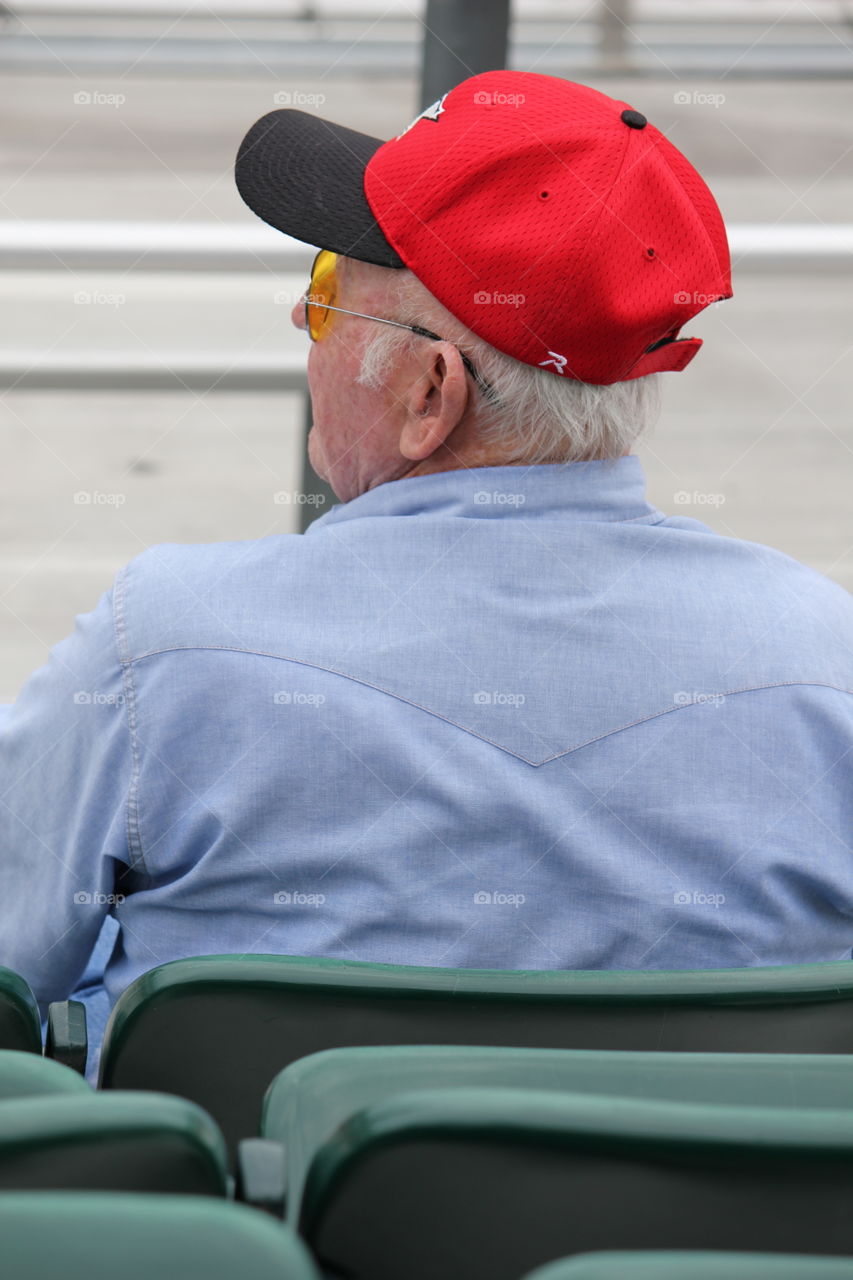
(87,1236)
(696,1266)
(218,1029)
(25,1075)
(20,1025)
(311,1099)
(495,1182)
(112,1142)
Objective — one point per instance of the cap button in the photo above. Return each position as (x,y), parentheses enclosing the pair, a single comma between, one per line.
(634,119)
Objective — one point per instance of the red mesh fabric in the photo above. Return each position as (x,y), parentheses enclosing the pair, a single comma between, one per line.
(528,207)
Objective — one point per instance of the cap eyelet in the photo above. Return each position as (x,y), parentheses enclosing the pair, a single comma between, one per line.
(544,195)
(633,119)
(650,253)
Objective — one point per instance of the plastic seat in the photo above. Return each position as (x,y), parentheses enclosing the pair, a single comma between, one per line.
(217,1029)
(313,1098)
(696,1266)
(113,1142)
(20,1024)
(494,1182)
(24,1075)
(86,1236)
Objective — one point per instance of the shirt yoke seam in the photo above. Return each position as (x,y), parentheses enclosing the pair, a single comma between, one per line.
(779,684)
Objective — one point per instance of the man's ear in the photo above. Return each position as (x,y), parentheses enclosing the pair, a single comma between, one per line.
(435,402)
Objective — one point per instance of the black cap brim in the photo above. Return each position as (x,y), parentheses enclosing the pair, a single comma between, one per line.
(305,177)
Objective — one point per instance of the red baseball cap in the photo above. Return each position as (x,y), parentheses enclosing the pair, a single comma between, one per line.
(555,222)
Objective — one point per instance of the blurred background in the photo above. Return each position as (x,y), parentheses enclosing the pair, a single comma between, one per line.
(151,385)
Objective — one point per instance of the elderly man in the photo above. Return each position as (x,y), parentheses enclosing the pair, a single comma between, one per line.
(494,709)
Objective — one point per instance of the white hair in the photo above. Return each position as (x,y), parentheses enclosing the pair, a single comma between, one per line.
(535,416)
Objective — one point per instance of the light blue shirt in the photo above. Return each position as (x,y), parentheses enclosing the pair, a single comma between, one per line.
(506,717)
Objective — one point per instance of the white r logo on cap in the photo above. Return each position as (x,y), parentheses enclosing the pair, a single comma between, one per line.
(559,362)
(429,113)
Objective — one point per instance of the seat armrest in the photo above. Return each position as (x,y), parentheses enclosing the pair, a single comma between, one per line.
(261,1178)
(67,1039)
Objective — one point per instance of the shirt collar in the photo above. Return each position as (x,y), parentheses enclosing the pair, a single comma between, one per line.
(606,489)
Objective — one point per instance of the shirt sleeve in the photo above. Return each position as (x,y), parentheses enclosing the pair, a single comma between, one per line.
(65,778)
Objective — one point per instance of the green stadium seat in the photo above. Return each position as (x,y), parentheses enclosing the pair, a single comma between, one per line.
(311,1099)
(112,1142)
(24,1075)
(696,1266)
(86,1236)
(20,1025)
(217,1029)
(496,1181)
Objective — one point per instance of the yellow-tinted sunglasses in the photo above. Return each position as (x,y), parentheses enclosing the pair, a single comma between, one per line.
(319,310)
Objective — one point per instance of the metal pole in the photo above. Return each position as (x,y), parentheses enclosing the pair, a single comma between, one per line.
(461,39)
(614,25)
(321,496)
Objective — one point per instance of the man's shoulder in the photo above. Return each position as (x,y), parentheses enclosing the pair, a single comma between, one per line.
(178,594)
(204,557)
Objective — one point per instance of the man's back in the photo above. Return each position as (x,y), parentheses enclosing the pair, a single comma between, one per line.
(507,717)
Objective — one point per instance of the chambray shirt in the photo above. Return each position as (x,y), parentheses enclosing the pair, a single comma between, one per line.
(504,717)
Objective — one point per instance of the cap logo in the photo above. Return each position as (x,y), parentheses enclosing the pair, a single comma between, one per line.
(428,113)
(559,362)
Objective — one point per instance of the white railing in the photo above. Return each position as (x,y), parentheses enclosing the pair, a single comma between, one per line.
(254,246)
(150,246)
(144,247)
